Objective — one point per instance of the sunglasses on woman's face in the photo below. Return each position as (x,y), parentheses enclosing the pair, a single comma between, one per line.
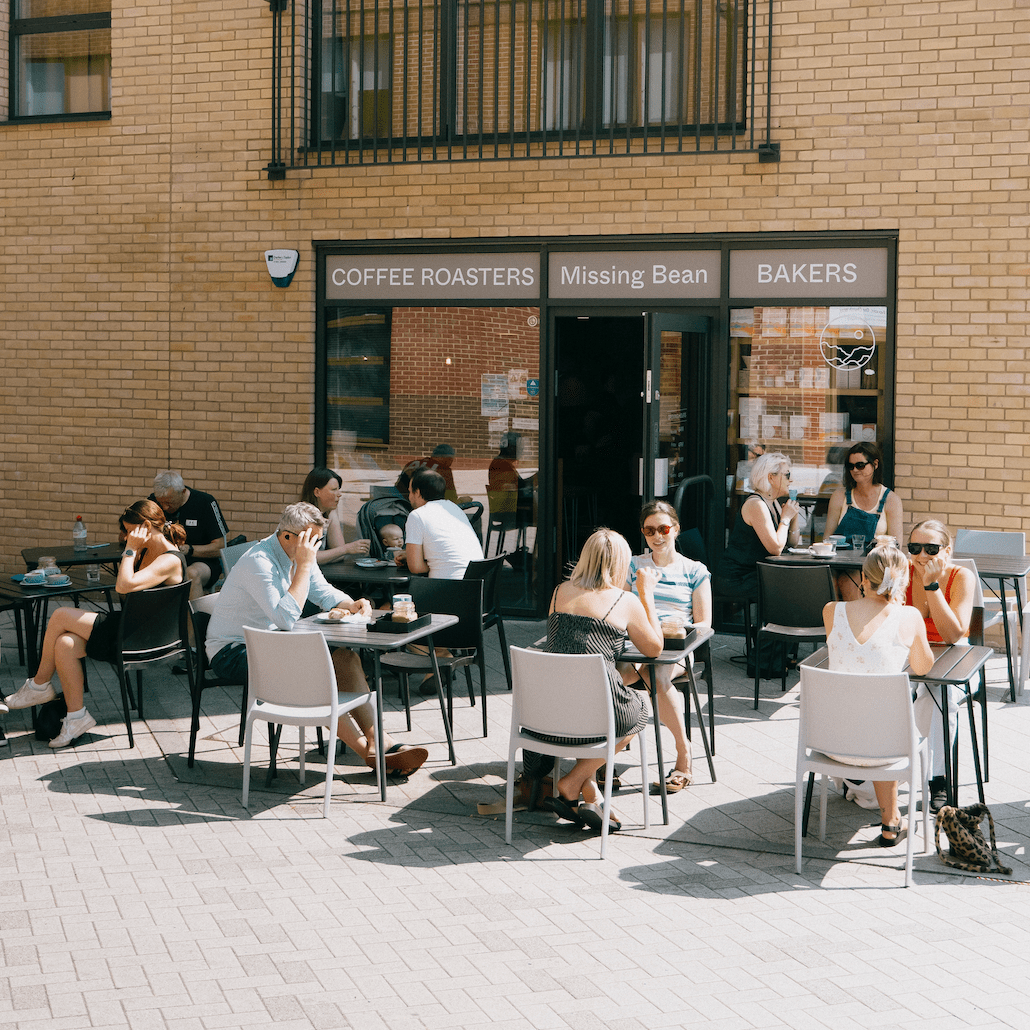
(857,466)
(657,530)
(931,549)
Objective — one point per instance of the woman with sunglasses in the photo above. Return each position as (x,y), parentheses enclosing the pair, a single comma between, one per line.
(152,558)
(943,594)
(683,588)
(863,506)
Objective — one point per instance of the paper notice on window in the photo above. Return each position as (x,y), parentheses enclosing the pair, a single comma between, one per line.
(494,396)
(517,384)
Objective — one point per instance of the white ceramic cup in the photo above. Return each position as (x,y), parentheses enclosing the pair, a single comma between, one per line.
(822,549)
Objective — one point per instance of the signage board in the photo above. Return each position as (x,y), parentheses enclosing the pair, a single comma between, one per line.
(833,272)
(634,274)
(431,277)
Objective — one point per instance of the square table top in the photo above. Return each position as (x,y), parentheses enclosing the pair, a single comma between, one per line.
(953,663)
(357,635)
(95,554)
(15,593)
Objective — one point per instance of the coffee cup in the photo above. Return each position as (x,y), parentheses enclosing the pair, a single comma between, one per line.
(822,549)
(35,578)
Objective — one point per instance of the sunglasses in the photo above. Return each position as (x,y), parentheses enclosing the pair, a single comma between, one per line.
(657,530)
(857,466)
(931,549)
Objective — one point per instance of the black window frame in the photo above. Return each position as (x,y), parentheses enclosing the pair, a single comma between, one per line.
(83,22)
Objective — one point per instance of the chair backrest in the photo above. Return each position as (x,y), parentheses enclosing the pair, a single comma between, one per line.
(154,623)
(860,715)
(989,541)
(233,553)
(474,513)
(292,669)
(561,695)
(976,618)
(794,595)
(461,597)
(488,570)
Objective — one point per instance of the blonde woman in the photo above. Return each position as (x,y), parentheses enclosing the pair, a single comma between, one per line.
(593,614)
(943,594)
(879,633)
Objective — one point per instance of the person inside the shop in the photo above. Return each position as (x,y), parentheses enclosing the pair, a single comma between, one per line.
(863,507)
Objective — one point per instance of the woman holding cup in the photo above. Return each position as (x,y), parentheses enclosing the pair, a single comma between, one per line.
(683,597)
(863,507)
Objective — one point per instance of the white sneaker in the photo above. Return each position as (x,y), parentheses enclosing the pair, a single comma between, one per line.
(72,728)
(3,739)
(4,707)
(30,694)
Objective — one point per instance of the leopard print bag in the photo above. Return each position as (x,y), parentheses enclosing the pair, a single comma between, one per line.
(967,848)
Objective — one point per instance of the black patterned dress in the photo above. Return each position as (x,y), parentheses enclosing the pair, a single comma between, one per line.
(583,634)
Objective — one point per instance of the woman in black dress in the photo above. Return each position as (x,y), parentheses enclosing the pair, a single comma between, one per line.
(592,614)
(151,559)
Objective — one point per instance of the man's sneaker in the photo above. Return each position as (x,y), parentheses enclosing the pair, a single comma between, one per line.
(72,728)
(4,707)
(31,694)
(3,738)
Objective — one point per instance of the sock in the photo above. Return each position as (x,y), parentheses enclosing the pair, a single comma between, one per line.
(79,714)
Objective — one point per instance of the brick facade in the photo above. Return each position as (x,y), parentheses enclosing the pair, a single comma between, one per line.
(142,330)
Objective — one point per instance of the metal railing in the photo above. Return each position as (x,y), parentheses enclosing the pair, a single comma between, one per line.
(400,81)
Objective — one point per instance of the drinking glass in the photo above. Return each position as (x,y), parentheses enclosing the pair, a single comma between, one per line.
(792,493)
(858,542)
(92,573)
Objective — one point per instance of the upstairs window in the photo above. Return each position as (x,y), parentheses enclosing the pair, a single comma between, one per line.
(61,58)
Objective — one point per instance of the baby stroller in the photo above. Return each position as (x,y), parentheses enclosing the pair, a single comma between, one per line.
(379,512)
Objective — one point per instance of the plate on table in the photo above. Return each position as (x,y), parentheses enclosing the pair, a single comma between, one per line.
(800,550)
(372,563)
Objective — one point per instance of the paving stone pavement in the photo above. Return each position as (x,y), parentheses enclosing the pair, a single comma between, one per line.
(140,894)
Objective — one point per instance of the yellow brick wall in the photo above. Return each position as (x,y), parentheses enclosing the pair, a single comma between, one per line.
(141,329)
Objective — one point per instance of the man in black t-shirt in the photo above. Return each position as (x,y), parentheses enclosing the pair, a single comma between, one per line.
(206,533)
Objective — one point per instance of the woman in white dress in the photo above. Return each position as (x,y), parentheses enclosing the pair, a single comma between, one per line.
(879,633)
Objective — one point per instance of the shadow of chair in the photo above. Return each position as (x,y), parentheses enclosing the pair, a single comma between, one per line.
(202,609)
(866,717)
(566,696)
(291,682)
(489,571)
(153,627)
(791,599)
(460,597)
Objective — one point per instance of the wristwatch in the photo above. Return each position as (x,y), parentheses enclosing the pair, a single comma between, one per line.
(128,553)
(932,586)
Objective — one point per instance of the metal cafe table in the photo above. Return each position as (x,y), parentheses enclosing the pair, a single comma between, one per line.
(347,572)
(954,665)
(672,656)
(68,557)
(357,637)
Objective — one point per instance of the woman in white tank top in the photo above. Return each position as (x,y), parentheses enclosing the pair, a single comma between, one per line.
(879,633)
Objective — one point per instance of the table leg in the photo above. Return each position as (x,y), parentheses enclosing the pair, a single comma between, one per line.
(443,704)
(950,773)
(658,747)
(1008,643)
(380,750)
(700,718)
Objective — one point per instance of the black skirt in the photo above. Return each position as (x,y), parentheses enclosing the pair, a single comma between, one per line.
(100,646)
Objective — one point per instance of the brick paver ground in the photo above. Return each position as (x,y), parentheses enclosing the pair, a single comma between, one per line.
(140,895)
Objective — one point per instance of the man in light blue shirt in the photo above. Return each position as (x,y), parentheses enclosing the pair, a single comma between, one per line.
(267,589)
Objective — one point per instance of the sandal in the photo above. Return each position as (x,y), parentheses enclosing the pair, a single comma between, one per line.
(400,759)
(563,809)
(898,830)
(674,782)
(599,778)
(594,817)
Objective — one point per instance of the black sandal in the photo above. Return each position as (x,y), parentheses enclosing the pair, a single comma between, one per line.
(563,809)
(898,830)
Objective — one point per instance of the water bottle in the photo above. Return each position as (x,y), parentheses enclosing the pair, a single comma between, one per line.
(79,534)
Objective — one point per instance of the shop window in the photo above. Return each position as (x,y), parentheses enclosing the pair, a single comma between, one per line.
(404,382)
(61,58)
(356,95)
(808,382)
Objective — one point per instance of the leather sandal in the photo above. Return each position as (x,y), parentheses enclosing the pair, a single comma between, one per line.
(898,830)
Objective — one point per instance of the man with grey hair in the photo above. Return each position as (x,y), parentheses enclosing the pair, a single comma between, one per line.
(267,589)
(206,534)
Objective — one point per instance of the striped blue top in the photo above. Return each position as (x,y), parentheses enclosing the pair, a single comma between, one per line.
(675,588)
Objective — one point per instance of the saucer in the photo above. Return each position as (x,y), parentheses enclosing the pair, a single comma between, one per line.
(57,581)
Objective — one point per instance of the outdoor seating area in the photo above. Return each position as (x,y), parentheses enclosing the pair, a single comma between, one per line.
(749,807)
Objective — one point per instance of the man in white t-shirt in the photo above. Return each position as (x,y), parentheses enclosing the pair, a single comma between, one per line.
(439,538)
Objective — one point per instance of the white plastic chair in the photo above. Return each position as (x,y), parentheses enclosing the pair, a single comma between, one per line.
(864,716)
(986,541)
(291,681)
(565,695)
(233,553)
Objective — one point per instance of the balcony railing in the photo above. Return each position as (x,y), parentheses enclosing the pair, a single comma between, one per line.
(400,81)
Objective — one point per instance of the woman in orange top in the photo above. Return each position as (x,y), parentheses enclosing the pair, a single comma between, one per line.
(943,593)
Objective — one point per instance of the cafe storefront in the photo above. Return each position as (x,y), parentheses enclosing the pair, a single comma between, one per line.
(565,381)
